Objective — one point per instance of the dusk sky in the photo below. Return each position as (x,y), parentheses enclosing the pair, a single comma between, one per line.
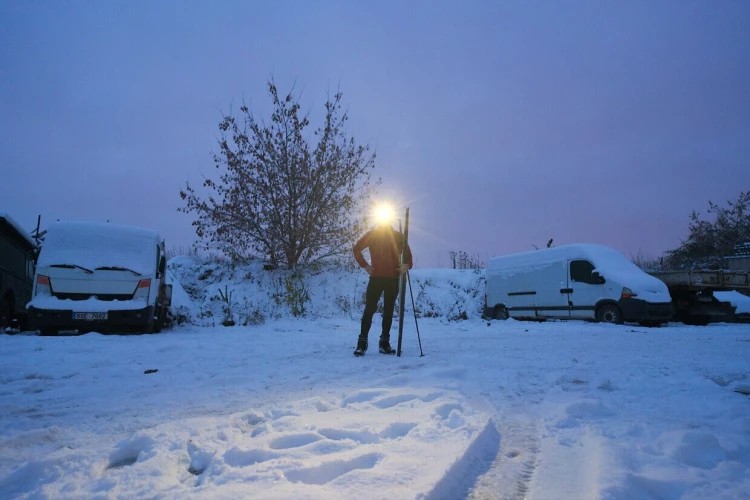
(500,123)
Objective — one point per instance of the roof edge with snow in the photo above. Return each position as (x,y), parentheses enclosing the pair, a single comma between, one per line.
(18,229)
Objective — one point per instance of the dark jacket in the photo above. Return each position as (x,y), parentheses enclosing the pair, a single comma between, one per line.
(385,249)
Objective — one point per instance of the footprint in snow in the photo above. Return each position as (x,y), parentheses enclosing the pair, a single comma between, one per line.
(278,414)
(293,441)
(364,437)
(397,430)
(444,411)
(128,452)
(199,459)
(361,397)
(451,414)
(235,457)
(253,419)
(393,431)
(327,472)
(391,401)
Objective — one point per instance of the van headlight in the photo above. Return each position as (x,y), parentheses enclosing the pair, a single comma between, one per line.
(143,290)
(43,285)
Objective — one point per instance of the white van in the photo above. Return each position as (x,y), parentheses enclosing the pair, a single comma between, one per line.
(581,281)
(100,276)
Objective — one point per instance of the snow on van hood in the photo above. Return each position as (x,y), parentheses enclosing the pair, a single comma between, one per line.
(94,244)
(610,263)
(614,266)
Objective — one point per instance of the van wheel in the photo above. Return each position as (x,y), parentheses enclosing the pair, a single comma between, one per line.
(500,313)
(609,313)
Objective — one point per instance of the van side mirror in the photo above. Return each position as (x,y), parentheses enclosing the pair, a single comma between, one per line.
(597,279)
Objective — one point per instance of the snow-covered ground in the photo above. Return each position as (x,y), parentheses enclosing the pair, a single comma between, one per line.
(279,407)
(283,410)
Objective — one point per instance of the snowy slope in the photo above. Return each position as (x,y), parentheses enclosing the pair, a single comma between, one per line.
(257,295)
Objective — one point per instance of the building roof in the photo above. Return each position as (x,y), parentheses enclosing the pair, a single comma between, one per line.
(741,250)
(16,227)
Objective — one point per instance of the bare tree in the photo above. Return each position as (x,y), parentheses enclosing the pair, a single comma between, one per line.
(278,196)
(462,260)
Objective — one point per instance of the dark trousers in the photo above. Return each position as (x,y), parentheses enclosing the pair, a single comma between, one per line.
(375,288)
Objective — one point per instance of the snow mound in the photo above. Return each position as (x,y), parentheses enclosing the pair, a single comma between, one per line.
(217,291)
(742,302)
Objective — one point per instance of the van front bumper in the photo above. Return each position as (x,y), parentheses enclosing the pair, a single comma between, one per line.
(117,320)
(640,310)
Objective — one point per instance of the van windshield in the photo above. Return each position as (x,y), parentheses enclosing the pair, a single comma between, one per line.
(73,266)
(97,246)
(117,268)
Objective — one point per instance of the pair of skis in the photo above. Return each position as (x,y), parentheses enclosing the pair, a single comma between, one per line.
(403,279)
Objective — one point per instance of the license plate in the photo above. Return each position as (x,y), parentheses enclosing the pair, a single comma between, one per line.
(90,316)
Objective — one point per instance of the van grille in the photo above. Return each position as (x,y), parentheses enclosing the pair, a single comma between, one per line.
(101,296)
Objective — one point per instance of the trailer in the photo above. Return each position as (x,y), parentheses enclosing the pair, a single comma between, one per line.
(17,253)
(693,297)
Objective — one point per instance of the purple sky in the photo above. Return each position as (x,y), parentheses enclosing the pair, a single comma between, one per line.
(501,124)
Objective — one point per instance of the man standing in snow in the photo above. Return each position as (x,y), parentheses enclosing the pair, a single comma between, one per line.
(385,245)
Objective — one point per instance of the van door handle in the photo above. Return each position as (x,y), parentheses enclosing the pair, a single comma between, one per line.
(566,290)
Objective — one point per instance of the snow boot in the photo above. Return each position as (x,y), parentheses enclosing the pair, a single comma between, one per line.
(385,347)
(361,348)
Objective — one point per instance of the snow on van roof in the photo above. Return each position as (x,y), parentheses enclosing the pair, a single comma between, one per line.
(95,244)
(610,263)
(17,227)
(554,254)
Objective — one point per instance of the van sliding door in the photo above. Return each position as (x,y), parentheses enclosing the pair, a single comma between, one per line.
(551,299)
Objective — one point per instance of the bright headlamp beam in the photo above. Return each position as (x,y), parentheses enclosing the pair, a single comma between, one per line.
(383,213)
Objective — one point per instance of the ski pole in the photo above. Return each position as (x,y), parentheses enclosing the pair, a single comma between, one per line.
(414,308)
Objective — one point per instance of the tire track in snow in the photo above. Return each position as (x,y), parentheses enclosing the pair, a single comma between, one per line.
(510,457)
(499,464)
(458,481)
(512,469)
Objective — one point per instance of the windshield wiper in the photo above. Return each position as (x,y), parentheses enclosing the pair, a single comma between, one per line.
(72,266)
(117,268)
